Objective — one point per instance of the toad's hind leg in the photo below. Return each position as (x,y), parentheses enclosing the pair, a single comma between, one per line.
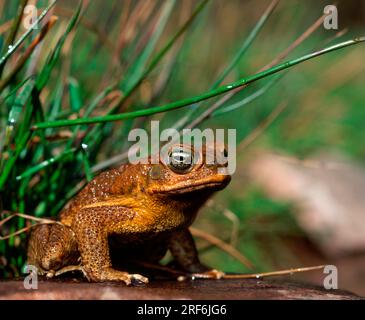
(52,247)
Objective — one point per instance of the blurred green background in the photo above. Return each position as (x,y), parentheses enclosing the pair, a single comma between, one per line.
(114,43)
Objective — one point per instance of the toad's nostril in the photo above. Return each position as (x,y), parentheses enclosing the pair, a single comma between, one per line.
(156,172)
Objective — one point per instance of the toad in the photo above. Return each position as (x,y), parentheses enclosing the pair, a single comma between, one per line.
(135,212)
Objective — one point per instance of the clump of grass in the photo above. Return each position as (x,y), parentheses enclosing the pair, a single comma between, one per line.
(57,130)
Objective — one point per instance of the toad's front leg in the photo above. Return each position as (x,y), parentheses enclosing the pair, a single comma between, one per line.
(92,226)
(184,251)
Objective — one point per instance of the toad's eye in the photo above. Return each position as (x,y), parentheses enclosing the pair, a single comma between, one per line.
(180,160)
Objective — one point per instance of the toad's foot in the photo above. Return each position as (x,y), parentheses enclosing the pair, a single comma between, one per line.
(211,274)
(70,269)
(110,274)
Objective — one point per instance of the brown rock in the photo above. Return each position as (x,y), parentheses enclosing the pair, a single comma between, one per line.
(164,290)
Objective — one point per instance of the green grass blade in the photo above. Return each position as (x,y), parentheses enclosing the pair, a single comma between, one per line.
(248,99)
(75,95)
(53,58)
(94,103)
(88,110)
(247,43)
(136,71)
(161,54)
(20,101)
(87,168)
(46,163)
(15,114)
(155,61)
(15,46)
(55,108)
(233,63)
(38,115)
(11,161)
(15,89)
(204,96)
(14,28)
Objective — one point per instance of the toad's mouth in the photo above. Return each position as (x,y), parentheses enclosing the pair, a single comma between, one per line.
(217,183)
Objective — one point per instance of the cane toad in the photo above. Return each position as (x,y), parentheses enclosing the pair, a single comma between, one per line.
(138,211)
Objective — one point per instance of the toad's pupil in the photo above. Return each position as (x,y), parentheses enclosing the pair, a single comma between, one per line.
(180,161)
(181,158)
